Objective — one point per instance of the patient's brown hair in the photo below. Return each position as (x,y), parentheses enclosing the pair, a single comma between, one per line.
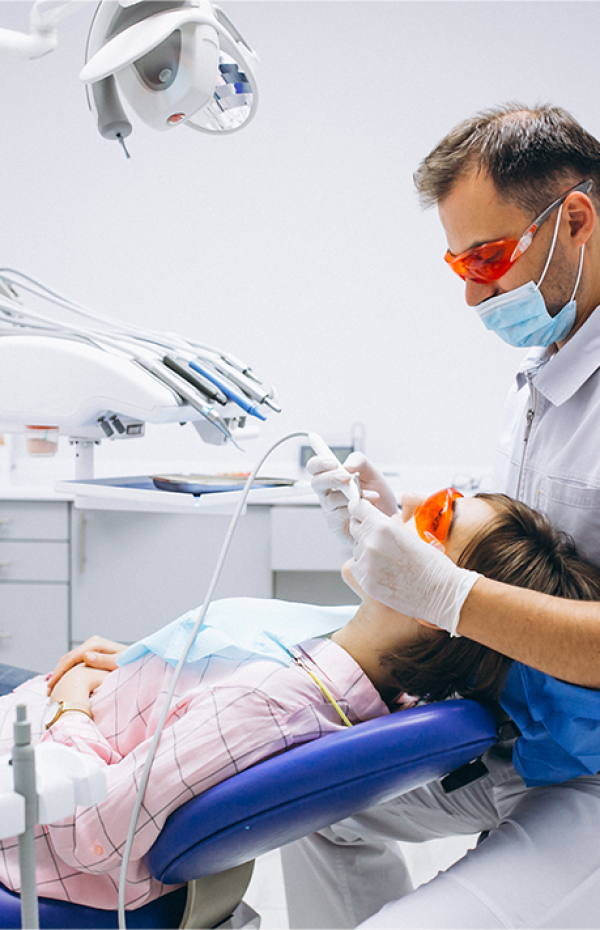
(519,547)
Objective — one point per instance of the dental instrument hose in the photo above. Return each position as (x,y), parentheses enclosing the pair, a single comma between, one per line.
(130,341)
(167,703)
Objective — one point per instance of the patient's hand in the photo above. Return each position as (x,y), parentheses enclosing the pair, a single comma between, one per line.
(96,652)
(77,684)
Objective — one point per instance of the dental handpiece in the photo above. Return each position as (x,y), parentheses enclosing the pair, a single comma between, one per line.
(352,489)
(183,390)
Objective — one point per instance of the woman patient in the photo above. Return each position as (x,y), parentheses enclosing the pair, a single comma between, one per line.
(233,707)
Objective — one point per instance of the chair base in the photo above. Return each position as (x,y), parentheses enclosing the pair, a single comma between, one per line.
(216,900)
(243,918)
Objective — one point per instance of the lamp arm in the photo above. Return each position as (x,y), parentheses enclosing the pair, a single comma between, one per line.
(43,20)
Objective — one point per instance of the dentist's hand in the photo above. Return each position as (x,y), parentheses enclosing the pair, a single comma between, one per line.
(394,566)
(329,476)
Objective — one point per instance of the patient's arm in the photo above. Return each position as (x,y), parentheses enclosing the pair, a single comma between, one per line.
(560,637)
(212,733)
(96,652)
(76,685)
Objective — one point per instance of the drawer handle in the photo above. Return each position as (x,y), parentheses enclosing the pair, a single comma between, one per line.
(5,564)
(4,635)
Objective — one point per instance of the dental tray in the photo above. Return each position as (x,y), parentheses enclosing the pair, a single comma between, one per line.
(211,484)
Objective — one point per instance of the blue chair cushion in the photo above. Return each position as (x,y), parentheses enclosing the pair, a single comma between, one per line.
(163,914)
(316,784)
(287,797)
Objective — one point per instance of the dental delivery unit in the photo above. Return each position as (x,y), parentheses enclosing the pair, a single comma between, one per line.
(106,379)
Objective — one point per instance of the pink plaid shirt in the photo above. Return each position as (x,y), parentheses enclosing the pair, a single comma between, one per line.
(228,713)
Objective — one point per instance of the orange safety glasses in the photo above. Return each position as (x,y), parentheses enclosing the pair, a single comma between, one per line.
(433,516)
(491,260)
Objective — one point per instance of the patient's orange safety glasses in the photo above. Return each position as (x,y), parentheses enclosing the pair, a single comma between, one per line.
(433,516)
(491,260)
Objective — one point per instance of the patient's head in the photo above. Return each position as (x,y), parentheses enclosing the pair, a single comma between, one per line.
(519,546)
(509,542)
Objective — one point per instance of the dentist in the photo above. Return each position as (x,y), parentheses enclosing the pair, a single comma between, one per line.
(518,194)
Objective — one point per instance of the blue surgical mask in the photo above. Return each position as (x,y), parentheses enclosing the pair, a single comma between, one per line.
(521,318)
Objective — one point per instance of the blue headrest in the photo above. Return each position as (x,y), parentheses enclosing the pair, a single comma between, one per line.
(317,784)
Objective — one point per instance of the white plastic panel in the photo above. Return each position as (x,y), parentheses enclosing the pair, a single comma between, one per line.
(64,383)
(12,806)
(66,778)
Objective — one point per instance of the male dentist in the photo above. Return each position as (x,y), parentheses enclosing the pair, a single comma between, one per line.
(518,195)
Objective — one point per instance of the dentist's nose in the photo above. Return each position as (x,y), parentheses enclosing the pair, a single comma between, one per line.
(476,292)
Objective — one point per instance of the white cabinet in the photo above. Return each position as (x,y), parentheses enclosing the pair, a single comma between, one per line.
(301,541)
(306,557)
(34,582)
(66,573)
(134,572)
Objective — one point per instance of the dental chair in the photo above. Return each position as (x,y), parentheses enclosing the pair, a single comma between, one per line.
(210,843)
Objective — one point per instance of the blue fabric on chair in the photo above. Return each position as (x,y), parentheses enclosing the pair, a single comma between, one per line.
(317,784)
(289,796)
(11,676)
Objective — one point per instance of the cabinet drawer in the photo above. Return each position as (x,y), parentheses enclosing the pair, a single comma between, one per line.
(34,561)
(34,520)
(34,625)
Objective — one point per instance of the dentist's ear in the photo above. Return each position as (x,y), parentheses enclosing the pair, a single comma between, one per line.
(580,214)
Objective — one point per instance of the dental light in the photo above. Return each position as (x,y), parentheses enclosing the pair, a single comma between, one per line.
(172,61)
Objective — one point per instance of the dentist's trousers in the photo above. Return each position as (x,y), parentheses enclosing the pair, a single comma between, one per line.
(539,866)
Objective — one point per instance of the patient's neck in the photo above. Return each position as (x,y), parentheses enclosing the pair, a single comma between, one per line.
(372,633)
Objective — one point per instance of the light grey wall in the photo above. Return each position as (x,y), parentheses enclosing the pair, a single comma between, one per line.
(296,244)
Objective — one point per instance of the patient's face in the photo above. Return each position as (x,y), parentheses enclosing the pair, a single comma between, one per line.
(469,515)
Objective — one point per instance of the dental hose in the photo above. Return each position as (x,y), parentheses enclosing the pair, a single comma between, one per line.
(167,703)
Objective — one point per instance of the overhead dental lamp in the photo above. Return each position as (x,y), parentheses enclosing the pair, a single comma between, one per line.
(172,61)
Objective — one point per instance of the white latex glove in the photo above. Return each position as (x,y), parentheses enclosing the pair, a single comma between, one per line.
(394,566)
(329,476)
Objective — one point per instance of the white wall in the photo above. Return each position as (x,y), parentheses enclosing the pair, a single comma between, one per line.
(298,243)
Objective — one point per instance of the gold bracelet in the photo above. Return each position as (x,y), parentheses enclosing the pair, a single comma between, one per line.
(58,708)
